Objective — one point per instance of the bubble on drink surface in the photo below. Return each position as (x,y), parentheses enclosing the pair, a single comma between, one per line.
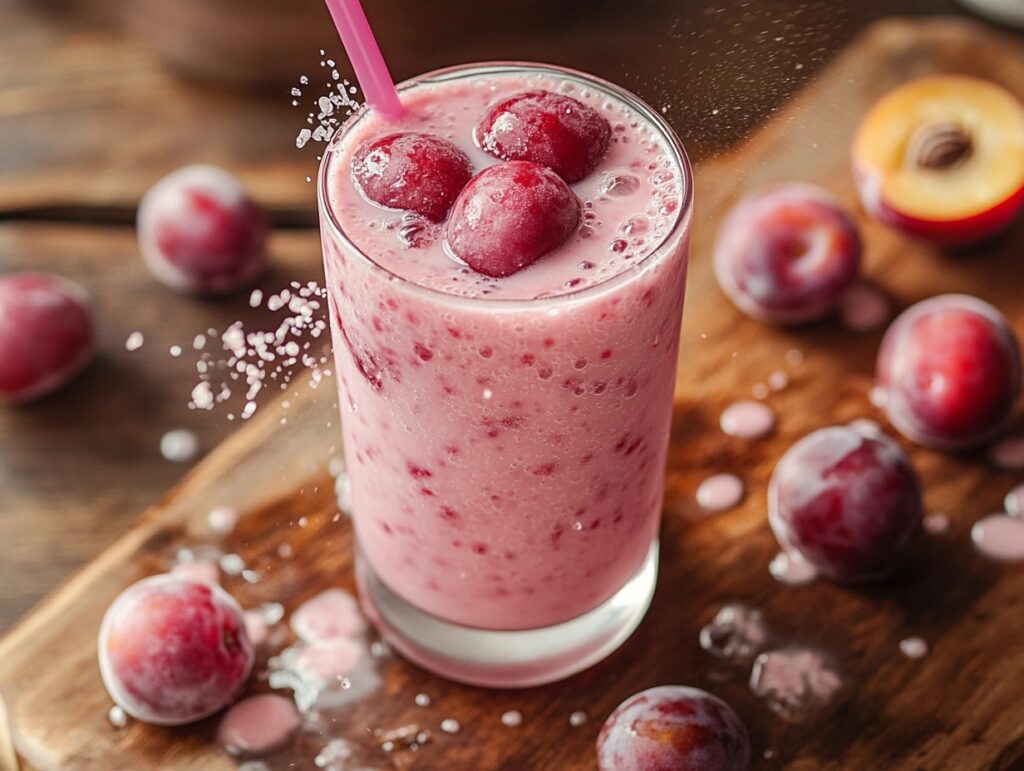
(619,183)
(795,682)
(736,634)
(179,445)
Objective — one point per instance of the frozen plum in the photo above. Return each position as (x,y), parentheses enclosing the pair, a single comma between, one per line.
(412,172)
(847,501)
(200,233)
(46,334)
(784,254)
(173,650)
(509,216)
(950,372)
(673,728)
(553,130)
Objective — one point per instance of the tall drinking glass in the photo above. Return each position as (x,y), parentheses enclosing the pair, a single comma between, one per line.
(507,453)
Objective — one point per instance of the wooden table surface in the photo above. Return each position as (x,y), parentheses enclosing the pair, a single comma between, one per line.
(82,135)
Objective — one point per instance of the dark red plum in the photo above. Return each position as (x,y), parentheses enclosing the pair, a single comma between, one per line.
(849,502)
(46,334)
(173,650)
(200,232)
(673,728)
(786,253)
(950,370)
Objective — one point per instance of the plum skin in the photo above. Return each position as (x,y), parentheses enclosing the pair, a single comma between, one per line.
(173,650)
(950,367)
(784,254)
(673,728)
(47,334)
(849,503)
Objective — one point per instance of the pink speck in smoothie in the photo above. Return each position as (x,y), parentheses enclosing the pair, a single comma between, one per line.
(1000,537)
(748,420)
(720,492)
(796,682)
(1008,454)
(330,615)
(863,308)
(259,724)
(791,569)
(1014,502)
(914,647)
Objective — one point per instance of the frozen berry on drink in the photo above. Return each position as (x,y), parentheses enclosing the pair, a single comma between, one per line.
(553,130)
(510,215)
(950,369)
(412,172)
(785,254)
(46,334)
(673,728)
(173,650)
(200,233)
(848,501)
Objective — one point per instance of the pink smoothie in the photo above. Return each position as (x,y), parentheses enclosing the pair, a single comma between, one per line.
(506,438)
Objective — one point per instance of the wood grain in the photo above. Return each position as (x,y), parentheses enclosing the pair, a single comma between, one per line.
(957,708)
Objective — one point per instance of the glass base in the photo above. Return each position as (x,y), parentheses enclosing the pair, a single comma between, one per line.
(508,659)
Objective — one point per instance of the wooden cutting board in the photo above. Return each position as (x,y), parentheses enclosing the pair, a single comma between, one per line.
(957,708)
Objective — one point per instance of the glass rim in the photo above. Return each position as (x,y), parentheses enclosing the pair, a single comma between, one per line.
(445,74)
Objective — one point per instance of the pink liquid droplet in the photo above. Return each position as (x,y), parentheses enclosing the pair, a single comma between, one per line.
(863,308)
(936,524)
(258,724)
(748,420)
(720,492)
(1008,454)
(1014,503)
(792,569)
(914,647)
(1000,537)
(329,615)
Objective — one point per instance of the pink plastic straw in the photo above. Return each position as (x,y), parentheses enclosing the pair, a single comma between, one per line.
(364,53)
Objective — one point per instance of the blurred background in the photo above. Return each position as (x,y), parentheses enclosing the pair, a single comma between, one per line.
(98,100)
